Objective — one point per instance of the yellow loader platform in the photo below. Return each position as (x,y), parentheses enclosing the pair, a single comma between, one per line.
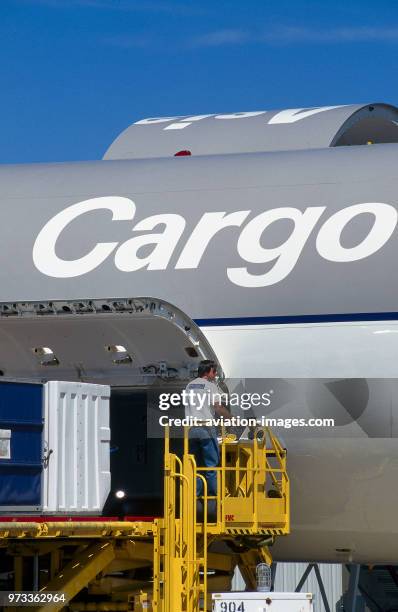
(171,563)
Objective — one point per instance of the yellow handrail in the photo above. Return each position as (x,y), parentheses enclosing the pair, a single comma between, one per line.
(245,468)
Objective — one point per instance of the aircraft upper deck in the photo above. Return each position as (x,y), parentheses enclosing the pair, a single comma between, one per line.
(258,131)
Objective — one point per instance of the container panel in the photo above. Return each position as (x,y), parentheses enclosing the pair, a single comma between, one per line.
(21,452)
(77,479)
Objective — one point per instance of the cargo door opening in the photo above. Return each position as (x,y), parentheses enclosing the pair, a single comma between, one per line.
(136,346)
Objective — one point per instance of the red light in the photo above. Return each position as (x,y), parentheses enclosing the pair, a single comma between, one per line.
(182,153)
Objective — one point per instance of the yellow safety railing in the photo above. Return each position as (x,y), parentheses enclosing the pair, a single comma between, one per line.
(180,579)
(252,498)
(252,483)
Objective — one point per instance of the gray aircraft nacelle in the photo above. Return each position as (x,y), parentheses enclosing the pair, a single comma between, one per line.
(266,240)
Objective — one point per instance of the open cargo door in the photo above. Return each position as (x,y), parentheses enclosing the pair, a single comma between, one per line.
(131,346)
(124,343)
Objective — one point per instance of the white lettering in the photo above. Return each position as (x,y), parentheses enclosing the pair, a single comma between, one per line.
(328,241)
(280,259)
(240,115)
(291,115)
(152,120)
(44,255)
(285,255)
(185,122)
(209,225)
(126,258)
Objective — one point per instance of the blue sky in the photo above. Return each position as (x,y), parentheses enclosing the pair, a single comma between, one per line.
(74,73)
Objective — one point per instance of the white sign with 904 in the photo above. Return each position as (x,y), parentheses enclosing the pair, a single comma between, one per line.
(262,602)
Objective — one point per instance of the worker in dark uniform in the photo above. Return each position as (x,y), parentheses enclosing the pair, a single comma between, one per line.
(202,404)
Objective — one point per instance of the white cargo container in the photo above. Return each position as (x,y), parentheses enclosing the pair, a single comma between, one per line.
(262,602)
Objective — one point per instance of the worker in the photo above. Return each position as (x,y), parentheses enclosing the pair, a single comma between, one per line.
(202,404)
